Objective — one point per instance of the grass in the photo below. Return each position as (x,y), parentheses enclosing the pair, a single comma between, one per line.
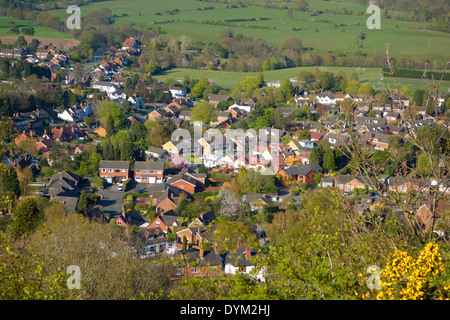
(229,80)
(39,31)
(318,32)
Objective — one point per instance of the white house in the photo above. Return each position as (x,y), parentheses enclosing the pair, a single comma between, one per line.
(74,114)
(242,107)
(103,86)
(238,262)
(306,144)
(326,98)
(178,91)
(136,101)
(114,93)
(212,160)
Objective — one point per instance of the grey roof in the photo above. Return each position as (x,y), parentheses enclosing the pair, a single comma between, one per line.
(149,165)
(238,257)
(114,164)
(210,258)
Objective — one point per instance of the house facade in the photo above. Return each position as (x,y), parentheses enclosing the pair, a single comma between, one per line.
(111,170)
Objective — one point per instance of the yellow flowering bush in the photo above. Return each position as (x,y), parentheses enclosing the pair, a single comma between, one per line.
(414,279)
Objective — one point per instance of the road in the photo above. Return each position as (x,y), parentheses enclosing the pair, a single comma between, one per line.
(111,201)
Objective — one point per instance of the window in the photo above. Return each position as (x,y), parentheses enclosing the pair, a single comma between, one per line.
(195,270)
(103,170)
(179,272)
(181,187)
(110,170)
(145,171)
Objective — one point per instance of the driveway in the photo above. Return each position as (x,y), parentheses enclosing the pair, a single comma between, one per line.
(111,201)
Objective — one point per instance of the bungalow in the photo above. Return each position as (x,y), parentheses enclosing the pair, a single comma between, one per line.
(111,170)
(349,183)
(149,171)
(300,172)
(381,141)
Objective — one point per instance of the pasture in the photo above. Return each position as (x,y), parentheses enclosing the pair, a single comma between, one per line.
(229,80)
(336,33)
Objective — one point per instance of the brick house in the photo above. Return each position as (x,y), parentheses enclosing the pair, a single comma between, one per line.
(300,172)
(149,171)
(114,170)
(195,236)
(425,213)
(199,263)
(165,221)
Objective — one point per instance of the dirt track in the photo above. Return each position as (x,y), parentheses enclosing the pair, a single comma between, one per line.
(59,43)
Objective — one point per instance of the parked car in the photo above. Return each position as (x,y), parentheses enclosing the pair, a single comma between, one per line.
(120,186)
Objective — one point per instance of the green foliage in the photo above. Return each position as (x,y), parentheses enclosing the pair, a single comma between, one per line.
(204,112)
(27,216)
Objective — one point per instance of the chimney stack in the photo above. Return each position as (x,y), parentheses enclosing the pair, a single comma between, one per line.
(239,243)
(202,251)
(248,252)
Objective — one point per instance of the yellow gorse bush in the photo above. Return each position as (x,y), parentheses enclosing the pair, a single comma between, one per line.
(409,279)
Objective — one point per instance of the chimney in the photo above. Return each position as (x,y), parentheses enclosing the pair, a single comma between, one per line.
(202,251)
(216,248)
(198,228)
(247,252)
(239,243)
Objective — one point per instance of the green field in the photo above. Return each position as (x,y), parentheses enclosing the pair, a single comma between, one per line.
(318,32)
(229,80)
(39,31)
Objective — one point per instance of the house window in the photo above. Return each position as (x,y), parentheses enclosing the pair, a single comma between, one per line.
(181,187)
(103,170)
(124,170)
(242,269)
(179,272)
(157,223)
(116,170)
(145,171)
(195,270)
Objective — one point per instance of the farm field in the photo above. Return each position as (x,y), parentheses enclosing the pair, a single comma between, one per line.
(330,32)
(39,31)
(229,80)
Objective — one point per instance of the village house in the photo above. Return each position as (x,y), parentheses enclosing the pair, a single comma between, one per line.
(239,262)
(114,170)
(207,263)
(149,171)
(165,221)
